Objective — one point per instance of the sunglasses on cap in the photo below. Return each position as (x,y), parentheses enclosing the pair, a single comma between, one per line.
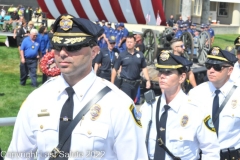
(216,67)
(69,48)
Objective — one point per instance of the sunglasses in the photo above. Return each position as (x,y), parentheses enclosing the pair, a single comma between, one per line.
(69,48)
(216,67)
(182,46)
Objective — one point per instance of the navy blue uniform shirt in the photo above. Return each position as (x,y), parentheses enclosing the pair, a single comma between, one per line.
(106,57)
(131,65)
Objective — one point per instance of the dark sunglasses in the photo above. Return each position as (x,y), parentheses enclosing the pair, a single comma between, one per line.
(69,48)
(182,46)
(216,67)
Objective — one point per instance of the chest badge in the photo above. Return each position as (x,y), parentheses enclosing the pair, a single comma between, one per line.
(184,120)
(116,54)
(138,55)
(95,112)
(234,103)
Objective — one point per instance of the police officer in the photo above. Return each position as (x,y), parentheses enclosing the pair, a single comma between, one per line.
(237,42)
(235,76)
(109,31)
(196,42)
(220,99)
(122,42)
(180,21)
(188,21)
(171,22)
(177,124)
(105,60)
(178,49)
(132,62)
(47,126)
(179,32)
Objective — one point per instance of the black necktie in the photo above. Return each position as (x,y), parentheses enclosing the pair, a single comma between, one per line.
(159,152)
(215,108)
(65,119)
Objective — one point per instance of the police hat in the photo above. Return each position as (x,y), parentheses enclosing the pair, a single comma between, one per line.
(112,39)
(218,56)
(70,31)
(121,24)
(202,26)
(193,24)
(168,61)
(238,50)
(197,30)
(109,23)
(174,28)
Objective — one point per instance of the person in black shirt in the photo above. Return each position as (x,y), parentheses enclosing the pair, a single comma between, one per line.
(171,22)
(105,60)
(188,21)
(132,62)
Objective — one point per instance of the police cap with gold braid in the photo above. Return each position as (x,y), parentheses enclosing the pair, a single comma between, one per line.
(218,56)
(167,61)
(69,31)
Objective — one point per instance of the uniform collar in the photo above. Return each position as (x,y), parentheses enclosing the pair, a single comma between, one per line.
(224,89)
(81,87)
(175,103)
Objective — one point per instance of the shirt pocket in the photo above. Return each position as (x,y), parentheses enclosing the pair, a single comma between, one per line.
(46,132)
(180,142)
(92,135)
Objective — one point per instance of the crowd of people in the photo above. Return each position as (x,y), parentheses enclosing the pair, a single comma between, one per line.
(80,112)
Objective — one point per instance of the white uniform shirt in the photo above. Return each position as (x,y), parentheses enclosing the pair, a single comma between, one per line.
(235,75)
(3,12)
(182,141)
(114,135)
(229,118)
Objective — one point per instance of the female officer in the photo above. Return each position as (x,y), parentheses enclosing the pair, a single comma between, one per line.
(180,129)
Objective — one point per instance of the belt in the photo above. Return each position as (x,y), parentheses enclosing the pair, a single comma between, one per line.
(230,153)
(31,58)
(130,81)
(105,71)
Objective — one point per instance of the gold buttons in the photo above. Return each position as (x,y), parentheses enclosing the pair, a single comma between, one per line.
(89,132)
(41,126)
(180,138)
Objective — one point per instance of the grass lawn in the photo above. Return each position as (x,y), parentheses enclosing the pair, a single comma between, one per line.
(15,94)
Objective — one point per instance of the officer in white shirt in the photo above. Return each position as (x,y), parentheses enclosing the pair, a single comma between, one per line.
(110,130)
(235,76)
(181,125)
(219,97)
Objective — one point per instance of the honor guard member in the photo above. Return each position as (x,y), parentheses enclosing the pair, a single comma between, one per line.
(235,76)
(105,60)
(132,62)
(179,32)
(62,125)
(178,128)
(178,49)
(220,99)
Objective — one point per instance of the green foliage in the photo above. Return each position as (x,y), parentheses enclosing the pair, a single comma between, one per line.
(224,40)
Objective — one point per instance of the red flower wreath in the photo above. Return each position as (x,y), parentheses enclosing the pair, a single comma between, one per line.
(48,65)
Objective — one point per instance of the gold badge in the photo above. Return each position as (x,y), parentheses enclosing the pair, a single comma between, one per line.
(33,46)
(95,112)
(184,120)
(164,55)
(215,51)
(66,22)
(162,129)
(234,103)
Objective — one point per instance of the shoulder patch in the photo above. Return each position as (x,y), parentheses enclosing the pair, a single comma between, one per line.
(136,115)
(209,123)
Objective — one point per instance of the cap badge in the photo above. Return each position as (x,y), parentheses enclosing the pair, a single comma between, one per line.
(95,112)
(234,103)
(229,48)
(66,22)
(215,51)
(164,55)
(184,120)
